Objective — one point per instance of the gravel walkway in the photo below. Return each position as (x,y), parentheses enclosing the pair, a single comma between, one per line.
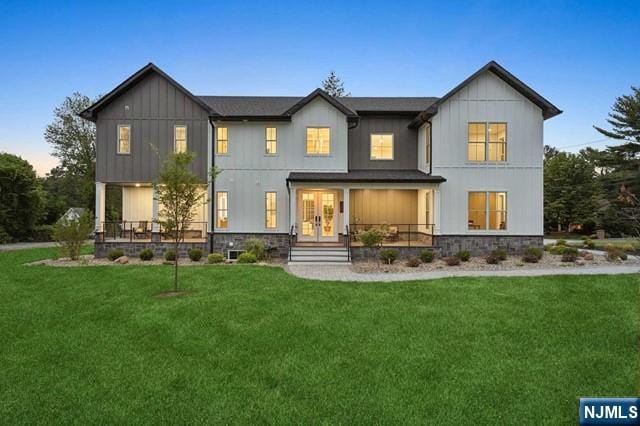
(344,273)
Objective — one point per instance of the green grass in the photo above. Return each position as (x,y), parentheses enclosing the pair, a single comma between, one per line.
(255,345)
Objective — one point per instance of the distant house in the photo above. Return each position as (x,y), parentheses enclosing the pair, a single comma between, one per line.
(74,213)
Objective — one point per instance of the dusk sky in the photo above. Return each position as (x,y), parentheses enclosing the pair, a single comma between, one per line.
(579,55)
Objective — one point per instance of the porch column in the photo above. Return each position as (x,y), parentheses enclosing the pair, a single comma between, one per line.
(101,192)
(293,200)
(155,226)
(436,211)
(345,210)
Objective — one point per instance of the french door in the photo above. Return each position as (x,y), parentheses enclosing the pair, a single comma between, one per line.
(317,216)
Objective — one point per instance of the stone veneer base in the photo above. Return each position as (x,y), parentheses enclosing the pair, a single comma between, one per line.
(223,241)
(133,249)
(480,245)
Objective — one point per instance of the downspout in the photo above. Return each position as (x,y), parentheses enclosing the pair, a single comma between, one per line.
(213,187)
(430,148)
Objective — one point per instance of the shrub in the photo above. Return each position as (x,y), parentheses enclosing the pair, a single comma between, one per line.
(257,247)
(427,256)
(113,254)
(623,256)
(570,250)
(556,250)
(560,250)
(247,258)
(561,242)
(463,255)
(530,258)
(371,238)
(388,256)
(170,255)
(534,251)
(195,254)
(4,237)
(452,260)
(584,237)
(627,247)
(492,259)
(569,257)
(71,234)
(548,247)
(501,254)
(589,244)
(146,254)
(613,254)
(215,258)
(413,262)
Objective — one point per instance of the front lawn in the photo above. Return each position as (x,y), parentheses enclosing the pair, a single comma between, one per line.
(256,345)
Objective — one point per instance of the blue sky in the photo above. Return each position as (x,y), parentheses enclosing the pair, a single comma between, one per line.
(579,55)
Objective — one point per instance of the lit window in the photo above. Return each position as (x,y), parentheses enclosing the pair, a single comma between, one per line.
(477,141)
(318,141)
(124,139)
(180,138)
(497,141)
(382,147)
(222,210)
(271,210)
(271,140)
(487,210)
(222,141)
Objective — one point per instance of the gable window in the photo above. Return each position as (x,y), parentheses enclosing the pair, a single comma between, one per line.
(318,141)
(487,210)
(487,142)
(382,146)
(180,138)
(497,141)
(271,210)
(124,139)
(222,210)
(222,140)
(271,141)
(477,137)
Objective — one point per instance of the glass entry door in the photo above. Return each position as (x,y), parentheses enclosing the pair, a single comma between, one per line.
(317,213)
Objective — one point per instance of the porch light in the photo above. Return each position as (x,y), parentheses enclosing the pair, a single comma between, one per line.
(137,185)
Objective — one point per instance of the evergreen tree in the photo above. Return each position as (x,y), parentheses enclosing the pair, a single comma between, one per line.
(334,86)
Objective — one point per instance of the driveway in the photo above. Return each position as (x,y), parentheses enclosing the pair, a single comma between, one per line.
(23,246)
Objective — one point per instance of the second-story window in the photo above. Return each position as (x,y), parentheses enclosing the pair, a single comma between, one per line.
(271,141)
(180,138)
(487,142)
(124,139)
(222,140)
(382,146)
(318,141)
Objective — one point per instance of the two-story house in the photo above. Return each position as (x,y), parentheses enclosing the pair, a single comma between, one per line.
(460,171)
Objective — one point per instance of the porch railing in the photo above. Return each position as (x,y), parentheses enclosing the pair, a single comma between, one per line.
(347,242)
(292,239)
(396,234)
(141,231)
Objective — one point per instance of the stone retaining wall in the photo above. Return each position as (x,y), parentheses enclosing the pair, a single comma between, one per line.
(223,241)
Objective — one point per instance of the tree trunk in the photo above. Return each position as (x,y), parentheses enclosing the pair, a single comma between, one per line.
(175,274)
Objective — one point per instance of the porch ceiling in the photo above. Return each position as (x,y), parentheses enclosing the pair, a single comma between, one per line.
(396,176)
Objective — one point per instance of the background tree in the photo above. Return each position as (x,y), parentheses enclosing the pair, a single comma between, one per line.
(334,86)
(570,190)
(73,140)
(178,191)
(21,198)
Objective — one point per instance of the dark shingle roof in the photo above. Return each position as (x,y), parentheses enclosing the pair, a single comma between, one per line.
(402,176)
(277,105)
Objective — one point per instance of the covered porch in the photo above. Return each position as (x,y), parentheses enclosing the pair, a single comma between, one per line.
(130,213)
(336,208)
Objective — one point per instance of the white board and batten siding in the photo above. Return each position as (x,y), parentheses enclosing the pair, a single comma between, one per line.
(248,172)
(489,99)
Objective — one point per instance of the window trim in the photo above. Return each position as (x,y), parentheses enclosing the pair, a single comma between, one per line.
(393,146)
(217,152)
(427,144)
(267,140)
(218,209)
(306,150)
(487,142)
(487,193)
(186,137)
(118,152)
(267,210)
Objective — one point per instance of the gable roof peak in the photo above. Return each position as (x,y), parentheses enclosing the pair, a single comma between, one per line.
(335,102)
